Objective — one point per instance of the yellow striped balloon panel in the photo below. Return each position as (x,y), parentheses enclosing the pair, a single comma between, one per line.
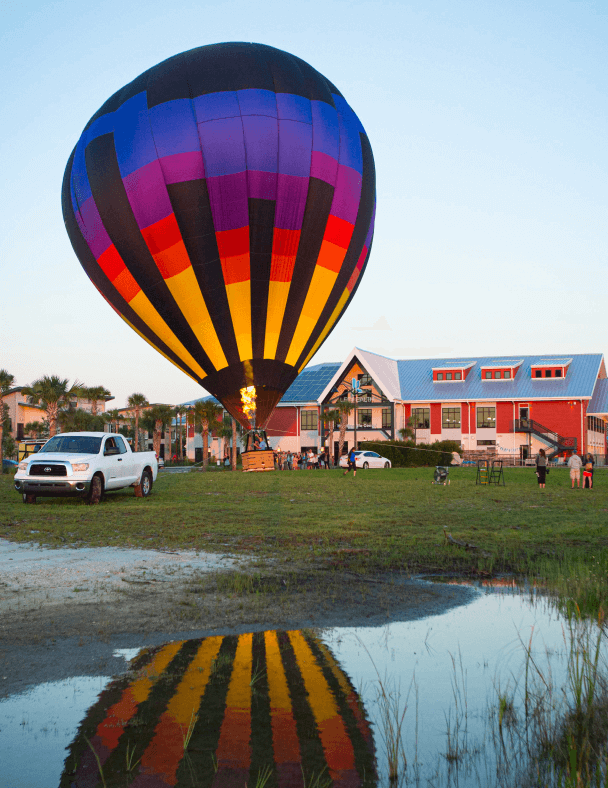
(271,708)
(223,204)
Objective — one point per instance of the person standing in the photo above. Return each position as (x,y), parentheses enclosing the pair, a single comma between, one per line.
(588,472)
(541,468)
(352,463)
(575,464)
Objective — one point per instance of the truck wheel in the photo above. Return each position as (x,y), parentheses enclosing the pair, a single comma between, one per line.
(95,490)
(29,498)
(144,488)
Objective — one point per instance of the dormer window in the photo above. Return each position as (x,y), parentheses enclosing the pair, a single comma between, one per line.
(500,369)
(550,368)
(451,371)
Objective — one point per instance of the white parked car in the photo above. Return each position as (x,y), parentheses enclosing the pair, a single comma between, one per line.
(366,459)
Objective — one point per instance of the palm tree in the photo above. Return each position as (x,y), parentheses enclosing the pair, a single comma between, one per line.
(35,428)
(78,420)
(6,383)
(137,403)
(179,411)
(225,432)
(344,408)
(235,430)
(206,414)
(94,394)
(114,417)
(409,431)
(53,393)
(330,418)
(157,419)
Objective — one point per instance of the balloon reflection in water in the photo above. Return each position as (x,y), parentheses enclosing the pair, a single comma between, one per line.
(228,711)
(223,204)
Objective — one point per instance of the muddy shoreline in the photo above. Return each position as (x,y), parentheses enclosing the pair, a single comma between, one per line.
(66,612)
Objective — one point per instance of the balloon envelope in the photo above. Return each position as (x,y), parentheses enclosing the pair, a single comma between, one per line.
(223,204)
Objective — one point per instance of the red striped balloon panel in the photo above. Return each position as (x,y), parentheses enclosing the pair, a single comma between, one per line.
(271,708)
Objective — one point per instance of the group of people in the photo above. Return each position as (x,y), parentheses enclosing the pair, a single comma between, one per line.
(576,463)
(301,461)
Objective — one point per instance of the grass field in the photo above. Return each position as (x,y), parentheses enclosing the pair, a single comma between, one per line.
(379,520)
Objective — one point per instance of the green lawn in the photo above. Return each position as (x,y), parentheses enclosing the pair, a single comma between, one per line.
(382,518)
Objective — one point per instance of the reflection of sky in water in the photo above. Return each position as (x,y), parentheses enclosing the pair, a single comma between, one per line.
(483,638)
(37,726)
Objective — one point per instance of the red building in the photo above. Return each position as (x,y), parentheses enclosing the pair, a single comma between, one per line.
(511,406)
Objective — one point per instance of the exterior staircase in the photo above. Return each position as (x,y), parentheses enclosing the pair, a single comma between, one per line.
(558,443)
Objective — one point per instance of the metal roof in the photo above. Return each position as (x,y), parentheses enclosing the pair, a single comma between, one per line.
(599,402)
(416,379)
(309,384)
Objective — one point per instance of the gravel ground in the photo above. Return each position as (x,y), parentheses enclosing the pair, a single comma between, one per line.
(64,612)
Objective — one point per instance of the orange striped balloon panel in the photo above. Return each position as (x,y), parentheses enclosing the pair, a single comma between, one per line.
(233,711)
(223,203)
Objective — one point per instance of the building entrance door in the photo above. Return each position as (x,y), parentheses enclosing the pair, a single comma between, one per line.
(524,453)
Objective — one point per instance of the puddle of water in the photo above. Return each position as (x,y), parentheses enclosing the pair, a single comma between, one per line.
(37,726)
(222,710)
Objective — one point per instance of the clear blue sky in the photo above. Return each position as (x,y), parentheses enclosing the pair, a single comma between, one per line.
(488,125)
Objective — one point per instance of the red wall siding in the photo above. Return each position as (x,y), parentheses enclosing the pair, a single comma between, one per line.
(436,418)
(559,416)
(283,422)
(504,416)
(473,418)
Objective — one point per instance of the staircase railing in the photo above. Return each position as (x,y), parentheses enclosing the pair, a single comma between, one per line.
(551,437)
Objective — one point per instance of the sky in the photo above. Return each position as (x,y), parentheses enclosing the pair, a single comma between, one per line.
(488,125)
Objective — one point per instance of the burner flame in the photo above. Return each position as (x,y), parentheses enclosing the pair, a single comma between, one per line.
(248,398)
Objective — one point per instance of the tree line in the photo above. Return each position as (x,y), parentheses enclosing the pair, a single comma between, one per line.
(59,399)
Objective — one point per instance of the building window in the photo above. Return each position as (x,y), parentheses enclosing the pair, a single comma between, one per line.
(448,376)
(486,418)
(507,373)
(387,419)
(365,417)
(487,375)
(450,418)
(421,418)
(558,373)
(309,419)
(547,373)
(595,425)
(538,373)
(497,374)
(440,376)
(365,380)
(457,375)
(486,443)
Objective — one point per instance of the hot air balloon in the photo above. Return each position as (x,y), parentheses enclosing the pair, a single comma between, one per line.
(223,204)
(231,710)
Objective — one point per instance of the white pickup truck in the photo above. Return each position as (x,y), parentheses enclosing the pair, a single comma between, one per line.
(85,464)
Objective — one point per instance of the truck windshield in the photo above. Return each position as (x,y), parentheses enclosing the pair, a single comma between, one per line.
(74,444)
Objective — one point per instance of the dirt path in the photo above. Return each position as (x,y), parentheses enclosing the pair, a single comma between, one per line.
(66,612)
